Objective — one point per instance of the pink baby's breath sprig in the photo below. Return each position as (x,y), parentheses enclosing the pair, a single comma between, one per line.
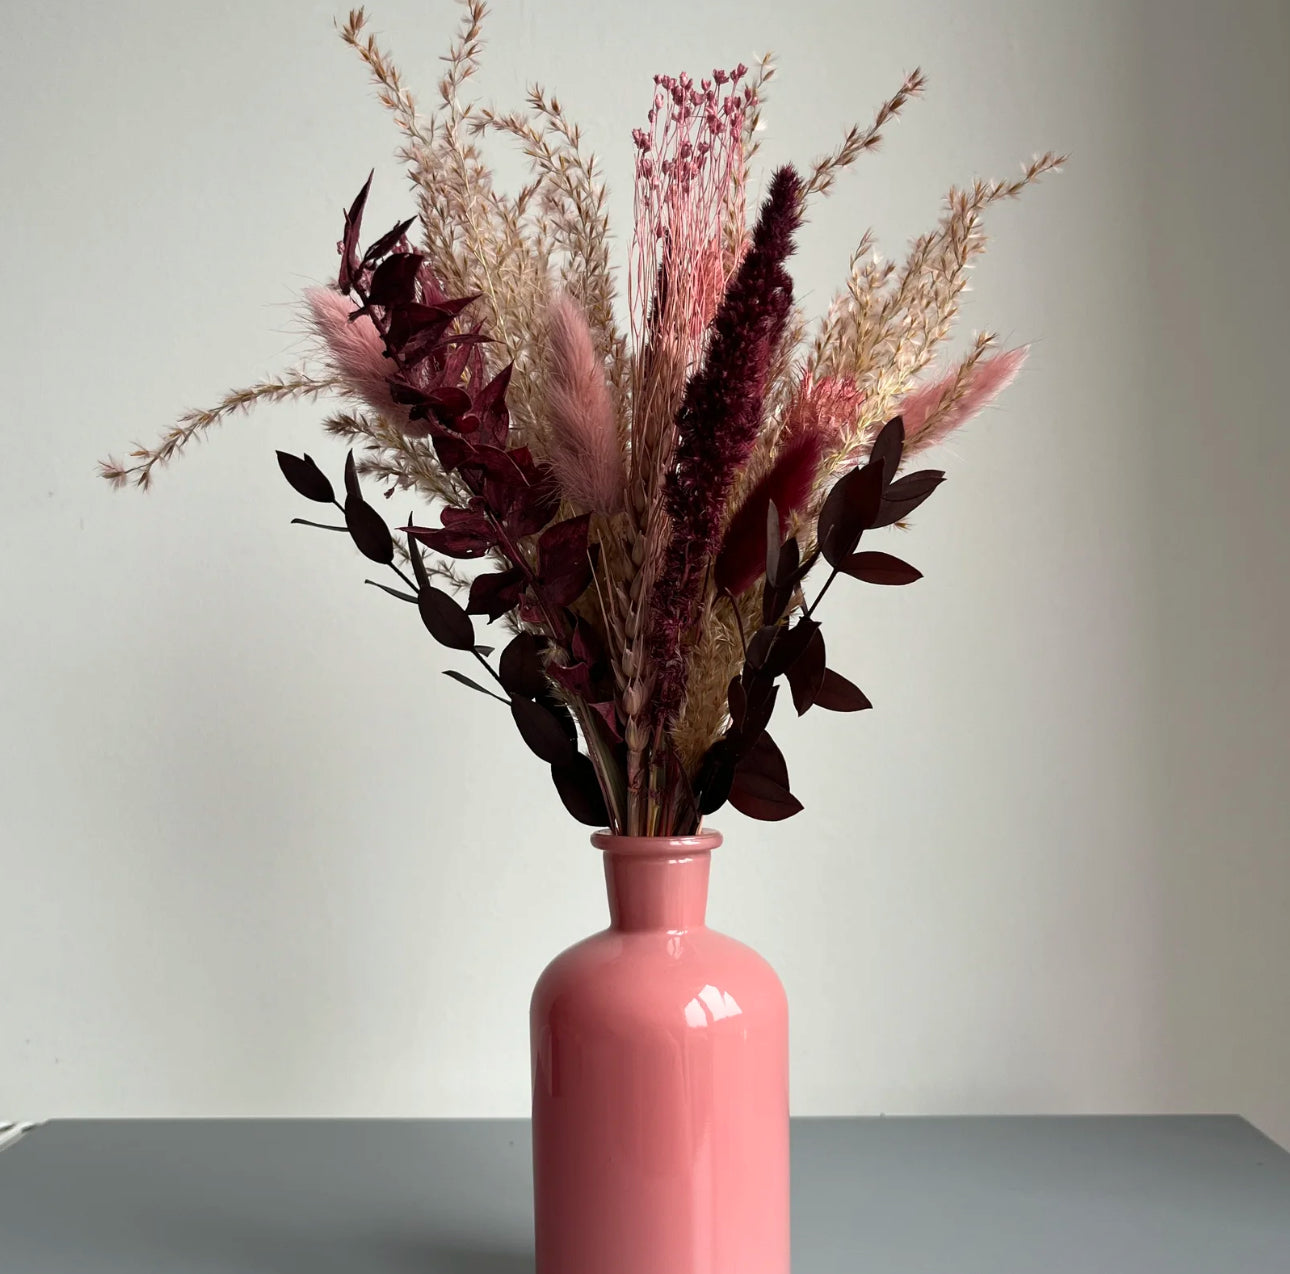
(689,174)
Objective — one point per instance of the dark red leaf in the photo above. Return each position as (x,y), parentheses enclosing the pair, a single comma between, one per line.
(904,495)
(851,509)
(837,694)
(879,568)
(607,715)
(781,583)
(349,263)
(393,592)
(737,701)
(490,405)
(579,789)
(760,646)
(451,543)
(466,681)
(368,531)
(472,519)
(787,562)
(789,646)
(564,590)
(418,562)
(889,446)
(445,620)
(306,478)
(388,240)
(562,545)
(322,526)
(765,760)
(533,507)
(564,568)
(575,678)
(413,318)
(542,731)
(806,672)
(493,395)
(559,709)
(394,281)
(762,693)
(774,602)
(587,646)
(495,592)
(453,452)
(716,774)
(499,463)
(520,667)
(352,490)
(449,402)
(762,798)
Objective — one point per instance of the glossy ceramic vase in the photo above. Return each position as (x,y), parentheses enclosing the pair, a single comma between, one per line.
(660,1084)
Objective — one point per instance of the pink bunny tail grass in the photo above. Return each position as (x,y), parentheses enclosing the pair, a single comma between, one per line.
(582,440)
(355,351)
(932,412)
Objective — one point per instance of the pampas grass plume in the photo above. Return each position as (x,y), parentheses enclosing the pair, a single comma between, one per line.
(929,418)
(582,436)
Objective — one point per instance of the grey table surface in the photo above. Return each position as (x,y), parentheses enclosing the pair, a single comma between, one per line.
(1183,1195)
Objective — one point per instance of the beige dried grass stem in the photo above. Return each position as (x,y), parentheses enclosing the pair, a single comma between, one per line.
(192,425)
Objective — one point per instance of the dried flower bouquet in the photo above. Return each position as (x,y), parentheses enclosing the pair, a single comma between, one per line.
(653,515)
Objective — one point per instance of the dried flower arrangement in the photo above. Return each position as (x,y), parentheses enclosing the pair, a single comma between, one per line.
(649,506)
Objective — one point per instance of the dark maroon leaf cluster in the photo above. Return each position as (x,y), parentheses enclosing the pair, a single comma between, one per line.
(437,372)
(524,673)
(744,766)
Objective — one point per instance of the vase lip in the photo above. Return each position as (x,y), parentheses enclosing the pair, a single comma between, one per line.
(656,846)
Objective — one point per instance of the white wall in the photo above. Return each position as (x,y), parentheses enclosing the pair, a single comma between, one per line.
(260,857)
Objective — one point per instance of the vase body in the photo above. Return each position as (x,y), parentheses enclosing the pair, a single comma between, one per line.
(660,1084)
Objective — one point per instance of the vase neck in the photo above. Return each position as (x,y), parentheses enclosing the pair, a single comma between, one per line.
(657,883)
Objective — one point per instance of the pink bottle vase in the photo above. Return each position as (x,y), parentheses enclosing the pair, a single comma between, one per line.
(660,1084)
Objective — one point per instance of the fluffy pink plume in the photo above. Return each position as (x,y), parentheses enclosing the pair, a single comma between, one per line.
(355,351)
(925,426)
(583,443)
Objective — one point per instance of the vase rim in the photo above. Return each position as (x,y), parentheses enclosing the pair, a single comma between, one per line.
(656,846)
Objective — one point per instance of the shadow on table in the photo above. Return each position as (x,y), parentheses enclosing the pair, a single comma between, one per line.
(262,1247)
(455,1258)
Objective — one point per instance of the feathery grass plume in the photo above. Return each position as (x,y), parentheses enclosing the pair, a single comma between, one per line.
(860,141)
(193,425)
(934,411)
(885,326)
(355,351)
(718,422)
(583,445)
